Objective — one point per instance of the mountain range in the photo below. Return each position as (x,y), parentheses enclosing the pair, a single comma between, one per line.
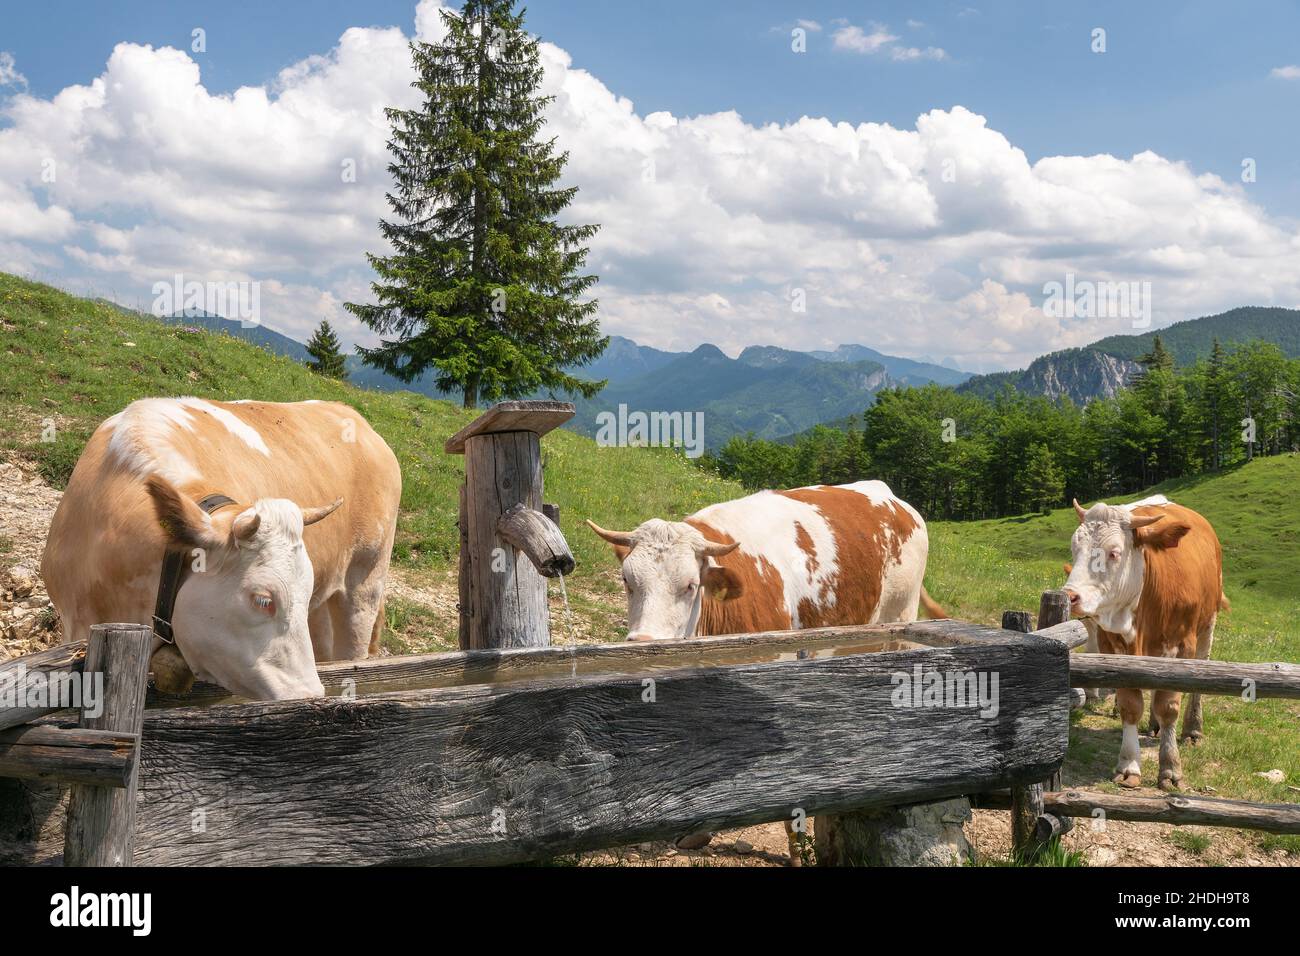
(775,392)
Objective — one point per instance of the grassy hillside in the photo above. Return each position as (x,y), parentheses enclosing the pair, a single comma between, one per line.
(978,569)
(74,362)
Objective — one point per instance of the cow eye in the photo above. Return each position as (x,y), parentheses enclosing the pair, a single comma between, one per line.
(1114,554)
(262,601)
(690,588)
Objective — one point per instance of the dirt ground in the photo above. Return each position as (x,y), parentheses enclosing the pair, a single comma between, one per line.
(27,624)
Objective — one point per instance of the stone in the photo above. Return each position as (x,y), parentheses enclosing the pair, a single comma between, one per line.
(1272,776)
(918,834)
(22,581)
(744,847)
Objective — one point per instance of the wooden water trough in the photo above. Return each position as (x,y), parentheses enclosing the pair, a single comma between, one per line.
(484,757)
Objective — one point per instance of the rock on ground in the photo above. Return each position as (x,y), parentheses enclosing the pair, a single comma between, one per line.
(27,619)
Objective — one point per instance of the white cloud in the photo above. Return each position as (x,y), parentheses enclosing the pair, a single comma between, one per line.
(914,53)
(857,40)
(9,75)
(1285,72)
(860,41)
(932,239)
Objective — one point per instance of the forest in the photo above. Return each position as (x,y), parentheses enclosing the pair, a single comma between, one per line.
(963,456)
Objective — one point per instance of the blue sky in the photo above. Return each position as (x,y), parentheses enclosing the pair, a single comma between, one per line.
(1200,85)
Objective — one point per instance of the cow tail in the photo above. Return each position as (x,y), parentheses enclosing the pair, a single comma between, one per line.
(932,609)
(1224,603)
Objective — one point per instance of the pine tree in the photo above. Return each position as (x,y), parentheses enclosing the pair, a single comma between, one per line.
(483,286)
(324,350)
(1043,482)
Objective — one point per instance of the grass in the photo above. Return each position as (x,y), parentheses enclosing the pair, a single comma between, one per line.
(1194,843)
(70,363)
(978,569)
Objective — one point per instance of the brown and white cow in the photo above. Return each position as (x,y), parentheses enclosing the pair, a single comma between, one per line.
(271,586)
(776,560)
(1148,579)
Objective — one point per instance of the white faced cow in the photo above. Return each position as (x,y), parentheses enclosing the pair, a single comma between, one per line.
(1148,579)
(268,586)
(776,560)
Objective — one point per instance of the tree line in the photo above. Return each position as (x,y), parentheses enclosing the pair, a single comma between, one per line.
(964,456)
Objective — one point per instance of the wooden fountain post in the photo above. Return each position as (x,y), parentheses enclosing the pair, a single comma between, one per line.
(507,546)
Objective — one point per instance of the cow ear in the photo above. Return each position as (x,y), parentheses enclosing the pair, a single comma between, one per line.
(182,521)
(621,552)
(1165,534)
(722,584)
(1068,568)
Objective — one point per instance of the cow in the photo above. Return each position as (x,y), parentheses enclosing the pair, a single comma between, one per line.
(1147,579)
(776,560)
(268,585)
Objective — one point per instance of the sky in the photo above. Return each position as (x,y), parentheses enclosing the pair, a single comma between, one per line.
(913,177)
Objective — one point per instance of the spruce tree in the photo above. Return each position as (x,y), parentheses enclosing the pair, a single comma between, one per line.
(483,286)
(324,349)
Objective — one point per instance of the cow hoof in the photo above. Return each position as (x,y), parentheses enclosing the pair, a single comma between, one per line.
(1130,780)
(1193,739)
(1170,781)
(693,841)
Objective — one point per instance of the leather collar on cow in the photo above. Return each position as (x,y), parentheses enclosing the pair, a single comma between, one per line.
(173,572)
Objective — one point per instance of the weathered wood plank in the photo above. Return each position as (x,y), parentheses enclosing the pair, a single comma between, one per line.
(457,668)
(101,820)
(1177,809)
(62,659)
(536,417)
(1070,633)
(1206,677)
(102,758)
(501,774)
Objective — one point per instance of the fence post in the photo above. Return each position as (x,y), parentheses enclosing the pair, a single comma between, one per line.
(502,593)
(1031,826)
(101,820)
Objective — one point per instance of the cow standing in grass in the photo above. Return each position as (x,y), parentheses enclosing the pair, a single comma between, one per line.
(1148,578)
(284,514)
(776,560)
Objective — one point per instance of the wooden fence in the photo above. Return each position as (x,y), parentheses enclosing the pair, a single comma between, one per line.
(1042,811)
(513,755)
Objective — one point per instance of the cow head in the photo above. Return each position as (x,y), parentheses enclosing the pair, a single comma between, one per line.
(241,616)
(668,566)
(1105,579)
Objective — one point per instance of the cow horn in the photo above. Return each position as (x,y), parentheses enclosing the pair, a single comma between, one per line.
(312,515)
(1141,521)
(1079,510)
(621,538)
(246,525)
(716,549)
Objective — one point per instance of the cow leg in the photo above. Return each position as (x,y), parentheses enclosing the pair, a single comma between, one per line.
(356,615)
(321,625)
(1171,764)
(1093,647)
(1192,727)
(1128,770)
(792,842)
